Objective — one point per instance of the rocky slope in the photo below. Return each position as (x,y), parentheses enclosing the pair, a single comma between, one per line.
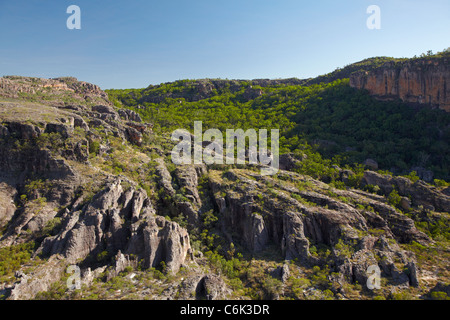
(423,81)
(91,185)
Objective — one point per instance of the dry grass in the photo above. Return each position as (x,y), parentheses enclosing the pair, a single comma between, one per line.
(13,110)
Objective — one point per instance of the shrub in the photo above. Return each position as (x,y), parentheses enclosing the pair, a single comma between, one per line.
(394,198)
(441,183)
(319,277)
(102,256)
(272,287)
(439,295)
(94,147)
(412,176)
(11,258)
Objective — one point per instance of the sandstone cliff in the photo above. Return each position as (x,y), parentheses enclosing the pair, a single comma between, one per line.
(423,81)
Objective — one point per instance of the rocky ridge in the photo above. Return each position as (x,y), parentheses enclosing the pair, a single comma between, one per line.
(61,187)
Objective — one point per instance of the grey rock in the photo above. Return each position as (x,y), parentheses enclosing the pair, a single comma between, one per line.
(118,220)
(294,243)
(121,262)
(39,280)
(288,161)
(212,287)
(7,205)
(420,192)
(165,241)
(281,272)
(21,130)
(372,164)
(128,114)
(64,130)
(405,203)
(424,174)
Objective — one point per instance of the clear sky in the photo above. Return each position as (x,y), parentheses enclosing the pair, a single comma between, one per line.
(134,43)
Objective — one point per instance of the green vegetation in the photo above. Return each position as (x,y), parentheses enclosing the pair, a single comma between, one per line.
(13,257)
(329,122)
(394,198)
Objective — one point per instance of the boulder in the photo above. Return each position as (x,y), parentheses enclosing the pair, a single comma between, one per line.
(64,130)
(287,161)
(128,114)
(281,272)
(4,132)
(370,163)
(21,130)
(106,112)
(104,109)
(424,174)
(212,287)
(134,136)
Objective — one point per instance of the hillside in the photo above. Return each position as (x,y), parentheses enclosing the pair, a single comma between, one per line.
(86,179)
(346,125)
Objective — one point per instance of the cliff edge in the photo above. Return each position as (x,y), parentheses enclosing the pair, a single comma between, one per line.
(422,81)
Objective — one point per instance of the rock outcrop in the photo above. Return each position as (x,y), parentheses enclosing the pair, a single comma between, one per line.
(120,220)
(74,183)
(424,81)
(420,192)
(296,220)
(52,90)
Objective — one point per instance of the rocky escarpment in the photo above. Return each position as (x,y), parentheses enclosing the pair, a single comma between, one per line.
(259,212)
(119,220)
(90,185)
(424,81)
(51,195)
(58,91)
(118,224)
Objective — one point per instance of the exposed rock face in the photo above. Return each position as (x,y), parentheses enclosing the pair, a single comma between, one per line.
(7,205)
(118,220)
(106,112)
(53,89)
(187,176)
(127,114)
(165,241)
(257,221)
(30,158)
(124,220)
(39,280)
(80,211)
(420,192)
(252,93)
(422,81)
(372,164)
(212,287)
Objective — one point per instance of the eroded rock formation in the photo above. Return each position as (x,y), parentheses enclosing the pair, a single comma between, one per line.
(421,81)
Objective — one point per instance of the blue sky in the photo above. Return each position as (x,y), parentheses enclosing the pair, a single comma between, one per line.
(131,44)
